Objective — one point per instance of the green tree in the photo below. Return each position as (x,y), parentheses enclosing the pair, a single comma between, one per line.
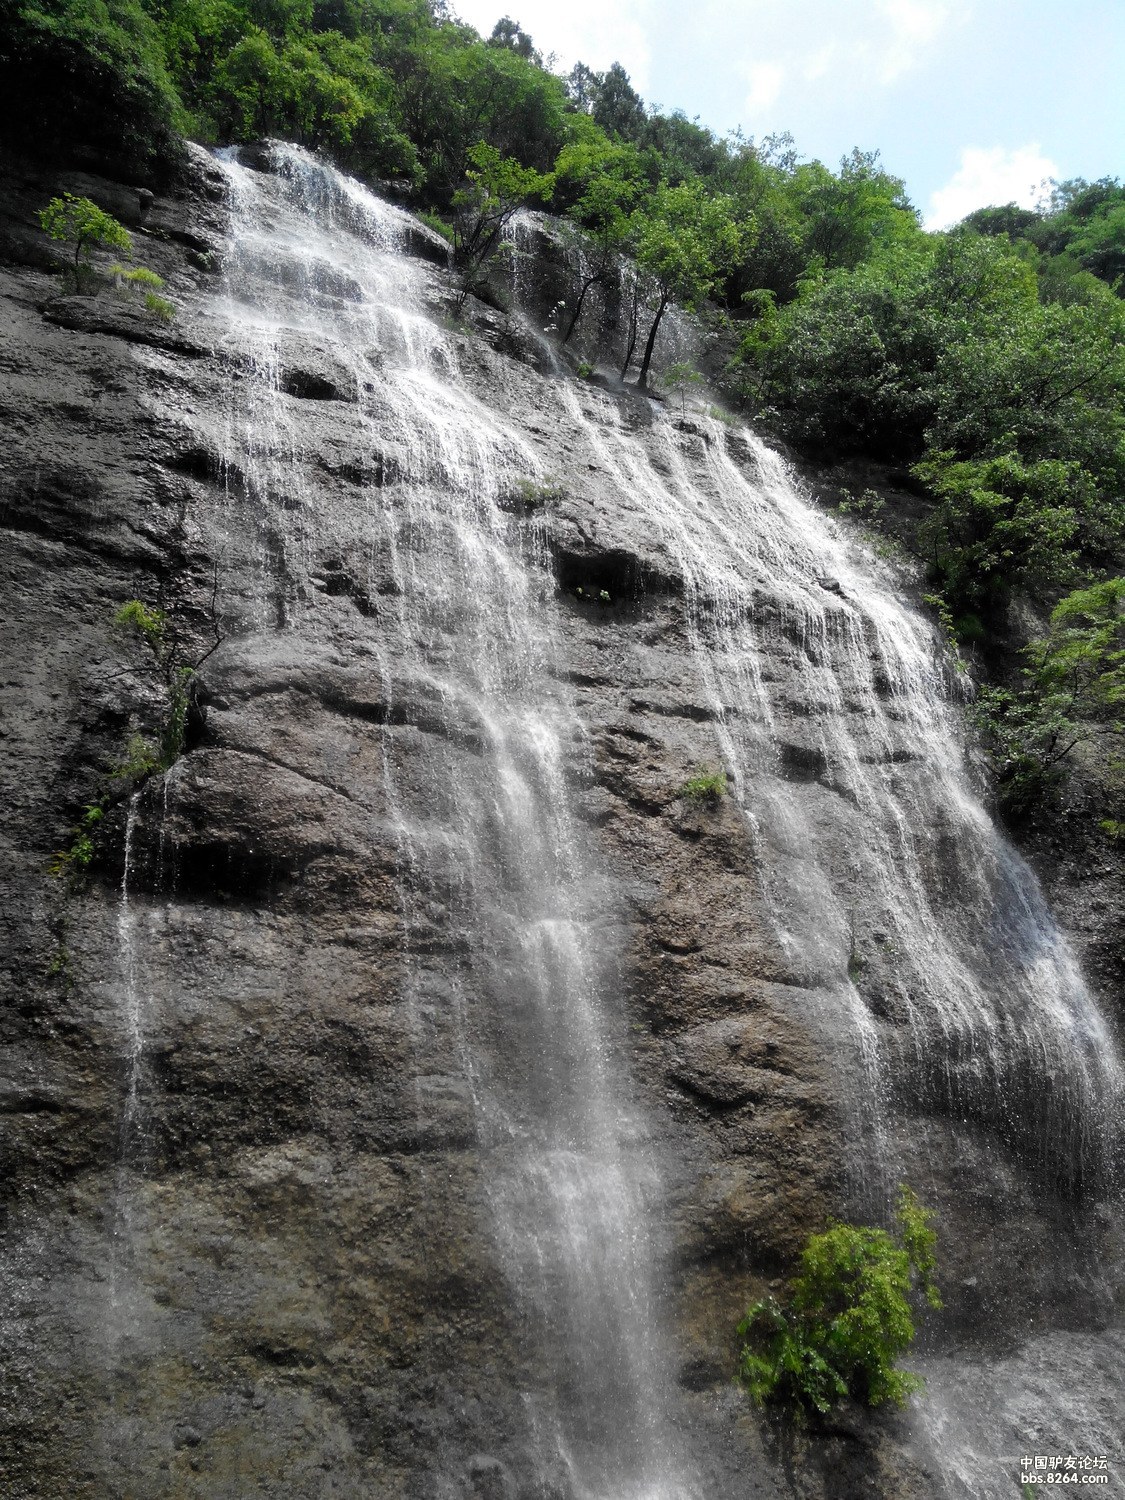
(618,108)
(1074,696)
(847,214)
(599,181)
(849,1317)
(80,222)
(677,377)
(1002,524)
(496,188)
(90,71)
(685,241)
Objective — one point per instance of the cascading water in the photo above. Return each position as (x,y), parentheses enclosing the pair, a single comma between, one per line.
(476,641)
(885,875)
(912,933)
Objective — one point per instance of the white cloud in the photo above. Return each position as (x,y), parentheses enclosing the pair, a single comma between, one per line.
(989,175)
(914,27)
(844,48)
(766,82)
(820,64)
(596,32)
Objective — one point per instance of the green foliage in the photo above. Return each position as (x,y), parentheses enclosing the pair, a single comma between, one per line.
(706,788)
(175,725)
(141,279)
(159,307)
(134,614)
(496,187)
(139,276)
(850,215)
(1002,524)
(848,1318)
(141,759)
(1074,697)
(437,224)
(152,626)
(535,494)
(685,240)
(92,71)
(73,862)
(81,223)
(677,377)
(322,89)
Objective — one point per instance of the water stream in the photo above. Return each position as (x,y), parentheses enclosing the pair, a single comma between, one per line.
(837,721)
(492,843)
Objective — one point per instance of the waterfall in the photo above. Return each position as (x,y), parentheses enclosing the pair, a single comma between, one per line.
(886,878)
(939,981)
(527,960)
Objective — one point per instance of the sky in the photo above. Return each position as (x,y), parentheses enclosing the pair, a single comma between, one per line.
(971,102)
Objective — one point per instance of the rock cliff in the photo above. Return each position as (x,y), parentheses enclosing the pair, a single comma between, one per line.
(270,1062)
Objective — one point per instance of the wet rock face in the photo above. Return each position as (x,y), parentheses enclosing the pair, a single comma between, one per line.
(251,1244)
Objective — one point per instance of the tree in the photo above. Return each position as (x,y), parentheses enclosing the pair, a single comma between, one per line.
(90,71)
(509,33)
(80,222)
(496,187)
(599,182)
(848,1317)
(685,242)
(1001,525)
(847,214)
(618,108)
(678,376)
(1074,696)
(582,85)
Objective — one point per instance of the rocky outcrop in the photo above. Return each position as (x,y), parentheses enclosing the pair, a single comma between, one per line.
(247,1238)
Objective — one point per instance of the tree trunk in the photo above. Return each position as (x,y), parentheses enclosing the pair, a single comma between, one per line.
(642,379)
(587,284)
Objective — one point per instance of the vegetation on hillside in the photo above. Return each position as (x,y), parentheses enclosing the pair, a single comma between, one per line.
(989,359)
(847,1319)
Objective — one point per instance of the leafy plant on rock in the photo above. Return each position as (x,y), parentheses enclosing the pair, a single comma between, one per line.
(848,1317)
(708,787)
(151,625)
(73,861)
(70,220)
(1074,697)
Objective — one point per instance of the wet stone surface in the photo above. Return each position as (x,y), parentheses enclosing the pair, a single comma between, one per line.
(416,1107)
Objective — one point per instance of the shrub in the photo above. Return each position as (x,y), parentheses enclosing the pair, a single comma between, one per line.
(848,1317)
(159,307)
(707,787)
(149,623)
(534,494)
(75,860)
(1074,697)
(81,223)
(437,224)
(142,279)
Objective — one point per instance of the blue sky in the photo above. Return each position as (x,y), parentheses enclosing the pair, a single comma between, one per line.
(970,101)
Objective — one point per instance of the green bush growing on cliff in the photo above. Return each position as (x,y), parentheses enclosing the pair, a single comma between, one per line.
(1073,703)
(145,281)
(848,1317)
(151,624)
(70,220)
(707,787)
